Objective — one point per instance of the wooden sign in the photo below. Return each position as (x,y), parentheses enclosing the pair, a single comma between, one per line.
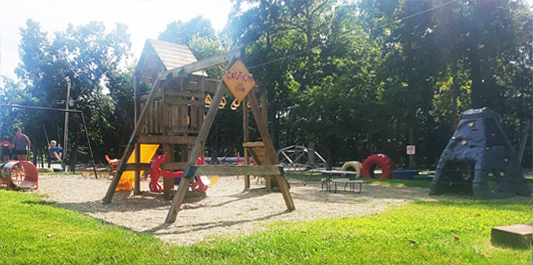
(238,80)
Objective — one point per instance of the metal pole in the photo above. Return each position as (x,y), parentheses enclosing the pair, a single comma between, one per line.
(89,143)
(65,136)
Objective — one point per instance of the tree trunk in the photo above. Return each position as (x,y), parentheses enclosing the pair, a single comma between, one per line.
(370,147)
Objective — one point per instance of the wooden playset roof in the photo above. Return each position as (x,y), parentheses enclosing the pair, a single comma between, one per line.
(159,56)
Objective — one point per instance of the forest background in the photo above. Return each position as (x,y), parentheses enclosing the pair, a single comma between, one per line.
(350,79)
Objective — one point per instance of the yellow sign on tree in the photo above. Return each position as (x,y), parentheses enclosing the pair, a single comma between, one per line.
(239,80)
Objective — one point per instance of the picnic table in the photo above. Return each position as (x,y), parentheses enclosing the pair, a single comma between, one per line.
(305,161)
(328,180)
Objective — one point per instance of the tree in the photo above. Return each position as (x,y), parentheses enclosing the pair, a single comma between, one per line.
(122,120)
(202,48)
(184,32)
(450,45)
(82,56)
(316,64)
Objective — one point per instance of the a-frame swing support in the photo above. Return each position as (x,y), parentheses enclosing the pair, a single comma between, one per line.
(270,167)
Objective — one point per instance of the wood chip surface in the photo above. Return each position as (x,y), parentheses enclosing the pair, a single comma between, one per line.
(227,210)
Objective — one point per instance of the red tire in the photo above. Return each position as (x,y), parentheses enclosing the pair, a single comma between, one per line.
(384,162)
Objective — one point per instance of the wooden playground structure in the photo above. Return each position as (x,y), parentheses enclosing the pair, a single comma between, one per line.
(172,116)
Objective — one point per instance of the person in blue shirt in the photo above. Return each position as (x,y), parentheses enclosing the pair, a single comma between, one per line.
(55,151)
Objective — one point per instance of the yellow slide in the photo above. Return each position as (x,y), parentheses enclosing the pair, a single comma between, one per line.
(128,177)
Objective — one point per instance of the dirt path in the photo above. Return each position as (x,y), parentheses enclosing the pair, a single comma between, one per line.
(226,210)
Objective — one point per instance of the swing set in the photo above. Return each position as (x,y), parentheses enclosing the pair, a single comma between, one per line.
(60,110)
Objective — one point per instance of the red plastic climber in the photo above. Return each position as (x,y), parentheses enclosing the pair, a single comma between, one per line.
(156,173)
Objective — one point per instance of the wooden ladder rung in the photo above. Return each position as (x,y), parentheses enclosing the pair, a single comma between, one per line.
(253,144)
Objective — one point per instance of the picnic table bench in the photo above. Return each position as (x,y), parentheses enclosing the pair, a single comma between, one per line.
(302,161)
(328,180)
(350,183)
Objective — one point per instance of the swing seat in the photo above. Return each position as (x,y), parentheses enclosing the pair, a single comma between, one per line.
(54,161)
(53,158)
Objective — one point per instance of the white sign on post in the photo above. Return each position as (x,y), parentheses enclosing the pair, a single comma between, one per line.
(411,149)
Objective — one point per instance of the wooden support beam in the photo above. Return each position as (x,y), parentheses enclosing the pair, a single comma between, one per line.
(264,105)
(253,144)
(168,183)
(173,166)
(270,153)
(245,137)
(136,97)
(140,166)
(137,175)
(235,170)
(204,64)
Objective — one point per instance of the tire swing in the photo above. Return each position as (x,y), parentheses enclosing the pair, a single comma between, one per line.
(352,166)
(384,162)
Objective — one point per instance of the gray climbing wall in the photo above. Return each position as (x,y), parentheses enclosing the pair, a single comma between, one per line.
(479,147)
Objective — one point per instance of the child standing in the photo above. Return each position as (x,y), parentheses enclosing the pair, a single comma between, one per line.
(6,148)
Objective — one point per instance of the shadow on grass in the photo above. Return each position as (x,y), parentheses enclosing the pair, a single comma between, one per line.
(45,203)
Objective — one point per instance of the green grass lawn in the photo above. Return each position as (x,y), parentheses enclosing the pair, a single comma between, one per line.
(442,232)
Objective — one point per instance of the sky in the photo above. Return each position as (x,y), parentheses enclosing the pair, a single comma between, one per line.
(145,19)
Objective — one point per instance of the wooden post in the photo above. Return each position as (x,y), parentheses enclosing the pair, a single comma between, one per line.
(137,107)
(136,98)
(245,132)
(168,183)
(137,183)
(245,137)
(197,149)
(264,107)
(268,179)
